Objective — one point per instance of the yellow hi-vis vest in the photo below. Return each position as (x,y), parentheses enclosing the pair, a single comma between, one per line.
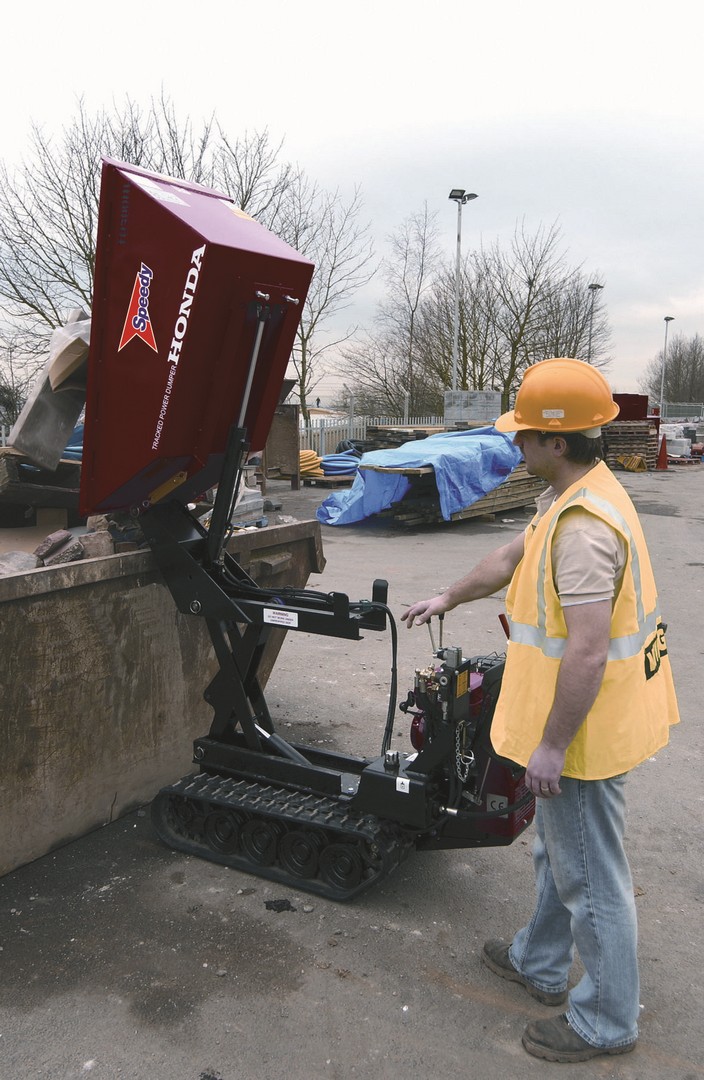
(636,703)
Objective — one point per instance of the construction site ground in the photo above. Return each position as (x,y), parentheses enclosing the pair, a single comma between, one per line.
(122,960)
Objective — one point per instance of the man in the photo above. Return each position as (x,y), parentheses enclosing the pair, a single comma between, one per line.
(587,694)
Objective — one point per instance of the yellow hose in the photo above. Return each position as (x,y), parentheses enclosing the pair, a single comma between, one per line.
(310,463)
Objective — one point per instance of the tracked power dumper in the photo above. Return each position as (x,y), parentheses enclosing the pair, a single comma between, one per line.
(195,313)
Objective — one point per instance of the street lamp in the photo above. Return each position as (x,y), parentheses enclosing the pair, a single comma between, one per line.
(668,320)
(593,289)
(460,196)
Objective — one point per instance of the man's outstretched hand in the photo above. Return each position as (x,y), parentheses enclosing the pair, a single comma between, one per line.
(424,610)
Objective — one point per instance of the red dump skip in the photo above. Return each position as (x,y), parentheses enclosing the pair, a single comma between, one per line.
(188,291)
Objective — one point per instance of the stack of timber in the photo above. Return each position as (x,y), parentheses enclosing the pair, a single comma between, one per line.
(630,438)
(380,437)
(22,482)
(390,438)
(517,490)
(421,504)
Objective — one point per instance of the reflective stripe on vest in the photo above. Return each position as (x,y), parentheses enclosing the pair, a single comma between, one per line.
(620,648)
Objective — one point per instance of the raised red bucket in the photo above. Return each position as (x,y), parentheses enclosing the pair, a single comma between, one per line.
(195,312)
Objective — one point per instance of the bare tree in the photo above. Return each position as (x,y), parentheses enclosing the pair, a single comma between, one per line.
(413,260)
(573,322)
(388,360)
(249,170)
(477,334)
(49,207)
(373,382)
(684,371)
(517,306)
(15,382)
(49,212)
(326,229)
(538,304)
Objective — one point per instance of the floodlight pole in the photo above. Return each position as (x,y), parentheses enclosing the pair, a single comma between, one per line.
(461,197)
(593,288)
(668,320)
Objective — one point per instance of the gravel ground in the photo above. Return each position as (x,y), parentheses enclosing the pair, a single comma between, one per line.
(122,959)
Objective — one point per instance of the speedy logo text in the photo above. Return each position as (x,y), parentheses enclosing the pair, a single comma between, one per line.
(138,323)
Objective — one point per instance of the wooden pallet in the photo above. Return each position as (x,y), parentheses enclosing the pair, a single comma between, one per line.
(631,438)
(328,481)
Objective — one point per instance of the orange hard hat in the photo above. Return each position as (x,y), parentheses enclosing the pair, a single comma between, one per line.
(560,395)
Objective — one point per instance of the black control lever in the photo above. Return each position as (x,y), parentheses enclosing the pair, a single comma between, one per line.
(374,617)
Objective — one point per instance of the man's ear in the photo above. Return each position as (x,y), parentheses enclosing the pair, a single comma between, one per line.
(560,445)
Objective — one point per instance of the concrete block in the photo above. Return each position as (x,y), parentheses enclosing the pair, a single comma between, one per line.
(68,552)
(51,543)
(97,544)
(97,522)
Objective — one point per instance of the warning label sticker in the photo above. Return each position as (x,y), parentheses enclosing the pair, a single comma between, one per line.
(280,617)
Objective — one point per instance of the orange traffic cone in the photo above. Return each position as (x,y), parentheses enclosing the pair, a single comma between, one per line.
(662,454)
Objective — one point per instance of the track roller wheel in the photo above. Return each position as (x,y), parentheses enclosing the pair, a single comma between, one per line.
(259,838)
(373,856)
(341,866)
(222,830)
(187,813)
(299,852)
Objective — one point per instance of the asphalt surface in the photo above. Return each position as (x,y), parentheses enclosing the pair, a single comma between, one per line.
(123,959)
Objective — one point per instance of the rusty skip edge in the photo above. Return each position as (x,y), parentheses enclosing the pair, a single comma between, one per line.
(275,545)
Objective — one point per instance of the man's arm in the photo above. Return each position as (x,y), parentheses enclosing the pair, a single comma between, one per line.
(578,682)
(491,574)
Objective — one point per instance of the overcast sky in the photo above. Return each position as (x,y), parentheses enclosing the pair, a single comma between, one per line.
(588,116)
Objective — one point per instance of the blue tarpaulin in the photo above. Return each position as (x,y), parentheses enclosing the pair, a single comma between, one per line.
(74,449)
(467,464)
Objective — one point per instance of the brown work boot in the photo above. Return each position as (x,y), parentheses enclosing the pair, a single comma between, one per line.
(555,1040)
(495,956)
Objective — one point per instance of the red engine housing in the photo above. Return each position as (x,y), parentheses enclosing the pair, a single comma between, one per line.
(464,696)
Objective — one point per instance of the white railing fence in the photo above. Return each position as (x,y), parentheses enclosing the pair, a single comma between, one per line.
(682,410)
(328,432)
(325,435)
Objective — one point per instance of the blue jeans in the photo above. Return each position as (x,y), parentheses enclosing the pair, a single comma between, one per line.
(584,899)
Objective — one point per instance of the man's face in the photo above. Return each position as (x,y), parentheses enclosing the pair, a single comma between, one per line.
(538,456)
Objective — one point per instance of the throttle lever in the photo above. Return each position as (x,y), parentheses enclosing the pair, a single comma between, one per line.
(441,619)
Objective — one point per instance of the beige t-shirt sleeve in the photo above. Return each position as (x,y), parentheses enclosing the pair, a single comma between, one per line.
(588,558)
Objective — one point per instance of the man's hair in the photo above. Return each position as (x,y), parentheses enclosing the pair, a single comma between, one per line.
(580,449)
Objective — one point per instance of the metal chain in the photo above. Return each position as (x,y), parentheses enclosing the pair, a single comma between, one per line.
(463,763)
